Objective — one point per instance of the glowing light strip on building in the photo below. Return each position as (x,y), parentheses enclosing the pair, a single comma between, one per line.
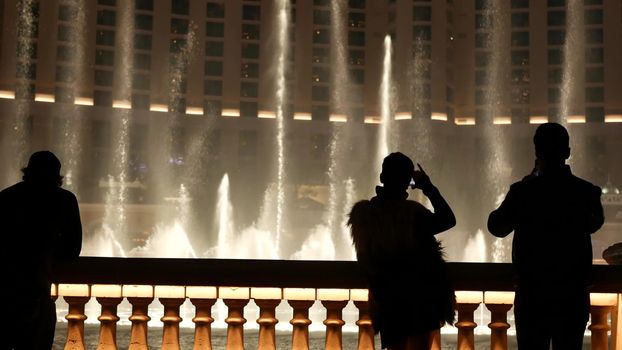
(465,121)
(84,101)
(613,118)
(372,119)
(538,119)
(302,116)
(575,119)
(45,98)
(158,108)
(338,118)
(266,115)
(502,120)
(403,116)
(439,116)
(194,110)
(122,104)
(230,112)
(7,94)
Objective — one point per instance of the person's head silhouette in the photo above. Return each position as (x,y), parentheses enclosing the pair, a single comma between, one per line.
(43,169)
(397,171)
(551,141)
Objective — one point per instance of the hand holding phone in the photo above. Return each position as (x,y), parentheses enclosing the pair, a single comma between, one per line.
(420,179)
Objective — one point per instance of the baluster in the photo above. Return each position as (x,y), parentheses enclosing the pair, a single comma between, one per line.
(235,299)
(300,300)
(203,298)
(76,295)
(108,296)
(435,340)
(139,296)
(171,298)
(366,330)
(616,324)
(499,303)
(601,305)
(267,299)
(108,323)
(467,303)
(334,300)
(139,318)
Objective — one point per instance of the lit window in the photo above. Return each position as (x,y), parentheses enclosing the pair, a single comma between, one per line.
(249,70)
(250,31)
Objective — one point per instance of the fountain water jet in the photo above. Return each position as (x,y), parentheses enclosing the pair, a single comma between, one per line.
(282,15)
(498,174)
(115,216)
(72,128)
(15,136)
(386,112)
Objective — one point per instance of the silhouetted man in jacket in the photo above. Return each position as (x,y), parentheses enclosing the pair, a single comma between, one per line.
(40,226)
(552,213)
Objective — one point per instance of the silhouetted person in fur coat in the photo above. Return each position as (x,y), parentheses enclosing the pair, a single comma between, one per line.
(396,247)
(40,226)
(552,213)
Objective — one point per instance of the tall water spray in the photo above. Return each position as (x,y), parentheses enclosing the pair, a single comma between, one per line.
(71,138)
(571,102)
(496,110)
(282,15)
(15,136)
(224,215)
(115,216)
(386,112)
(573,59)
(341,91)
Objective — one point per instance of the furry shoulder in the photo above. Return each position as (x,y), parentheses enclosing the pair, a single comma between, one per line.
(359,212)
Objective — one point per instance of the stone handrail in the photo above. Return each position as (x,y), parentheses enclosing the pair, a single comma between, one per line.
(301,283)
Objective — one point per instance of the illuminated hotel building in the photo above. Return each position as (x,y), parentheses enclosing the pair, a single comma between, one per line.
(216,59)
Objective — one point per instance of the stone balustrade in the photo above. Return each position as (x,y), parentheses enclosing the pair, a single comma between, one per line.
(296,289)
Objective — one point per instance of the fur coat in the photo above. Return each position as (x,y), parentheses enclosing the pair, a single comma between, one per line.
(410,291)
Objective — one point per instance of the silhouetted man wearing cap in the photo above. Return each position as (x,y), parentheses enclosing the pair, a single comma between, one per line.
(40,226)
(552,213)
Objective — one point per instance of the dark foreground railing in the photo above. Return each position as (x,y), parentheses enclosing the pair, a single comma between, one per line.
(301,284)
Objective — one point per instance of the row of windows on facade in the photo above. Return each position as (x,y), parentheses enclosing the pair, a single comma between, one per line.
(178,7)
(555,18)
(554,38)
(521,95)
(555,76)
(523,4)
(323,18)
(555,56)
(144,42)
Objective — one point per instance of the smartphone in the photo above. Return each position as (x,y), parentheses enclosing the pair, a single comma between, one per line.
(412,183)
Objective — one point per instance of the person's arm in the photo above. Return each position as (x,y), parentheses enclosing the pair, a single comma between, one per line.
(501,222)
(596,216)
(70,243)
(443,217)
